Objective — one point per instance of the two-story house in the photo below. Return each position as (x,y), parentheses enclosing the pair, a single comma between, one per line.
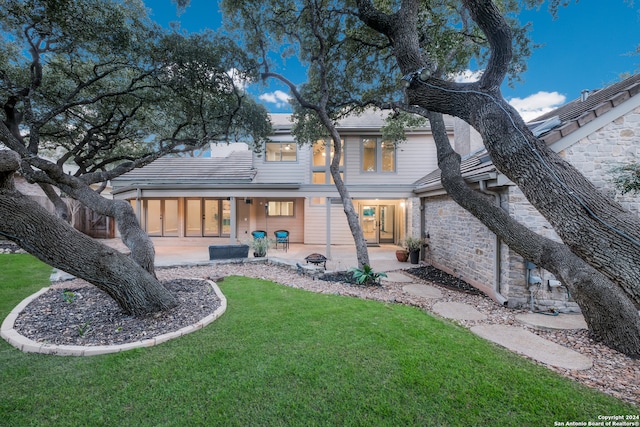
(286,186)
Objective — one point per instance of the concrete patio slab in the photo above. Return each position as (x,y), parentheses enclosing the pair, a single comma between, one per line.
(424,291)
(521,341)
(550,323)
(457,311)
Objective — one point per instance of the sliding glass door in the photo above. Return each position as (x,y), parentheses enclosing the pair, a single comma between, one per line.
(207,217)
(161,217)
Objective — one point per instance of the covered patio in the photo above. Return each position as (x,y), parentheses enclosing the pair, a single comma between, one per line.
(185,251)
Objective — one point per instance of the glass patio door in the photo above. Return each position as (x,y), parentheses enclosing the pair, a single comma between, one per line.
(211,217)
(162,217)
(387,224)
(208,217)
(193,225)
(378,223)
(369,223)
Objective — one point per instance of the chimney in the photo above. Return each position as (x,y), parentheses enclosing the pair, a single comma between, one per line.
(584,95)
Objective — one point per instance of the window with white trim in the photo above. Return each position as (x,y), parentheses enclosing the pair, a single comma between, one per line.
(280,208)
(378,155)
(281,152)
(322,155)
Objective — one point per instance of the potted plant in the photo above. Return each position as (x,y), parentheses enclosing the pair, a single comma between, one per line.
(402,255)
(414,244)
(260,245)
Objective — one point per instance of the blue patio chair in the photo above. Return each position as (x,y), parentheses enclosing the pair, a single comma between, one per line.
(259,234)
(282,238)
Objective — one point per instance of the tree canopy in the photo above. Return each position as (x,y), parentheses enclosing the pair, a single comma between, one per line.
(91,89)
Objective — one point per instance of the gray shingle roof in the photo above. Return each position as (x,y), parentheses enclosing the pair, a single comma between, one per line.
(572,116)
(577,113)
(475,165)
(235,168)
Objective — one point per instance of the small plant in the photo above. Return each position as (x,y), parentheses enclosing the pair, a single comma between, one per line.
(413,244)
(366,276)
(82,329)
(260,246)
(69,296)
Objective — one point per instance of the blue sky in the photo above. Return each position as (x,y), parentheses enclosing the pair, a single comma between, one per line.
(588,46)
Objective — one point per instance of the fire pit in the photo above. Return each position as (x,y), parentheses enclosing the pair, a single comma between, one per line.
(317,259)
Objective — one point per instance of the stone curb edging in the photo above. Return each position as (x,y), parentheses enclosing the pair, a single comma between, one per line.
(27,345)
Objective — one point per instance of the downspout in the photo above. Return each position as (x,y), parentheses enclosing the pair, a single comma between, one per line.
(496,248)
(138,204)
(423,232)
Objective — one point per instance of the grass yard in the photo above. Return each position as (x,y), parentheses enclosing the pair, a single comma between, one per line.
(285,357)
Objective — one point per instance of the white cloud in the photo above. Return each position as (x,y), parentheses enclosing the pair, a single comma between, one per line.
(537,104)
(467,76)
(239,79)
(279,98)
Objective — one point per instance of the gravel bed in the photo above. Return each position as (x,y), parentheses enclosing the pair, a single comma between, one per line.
(75,313)
(612,372)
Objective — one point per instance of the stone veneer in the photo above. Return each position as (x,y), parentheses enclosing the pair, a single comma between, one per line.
(461,245)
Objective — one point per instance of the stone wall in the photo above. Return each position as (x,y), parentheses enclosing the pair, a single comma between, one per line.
(463,246)
(613,145)
(467,254)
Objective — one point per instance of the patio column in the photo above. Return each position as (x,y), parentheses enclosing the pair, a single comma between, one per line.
(328,238)
(233,220)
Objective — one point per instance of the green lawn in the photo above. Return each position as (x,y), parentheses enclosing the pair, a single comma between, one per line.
(285,357)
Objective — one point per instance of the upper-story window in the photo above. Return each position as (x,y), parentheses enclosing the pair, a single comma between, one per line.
(321,161)
(281,152)
(378,155)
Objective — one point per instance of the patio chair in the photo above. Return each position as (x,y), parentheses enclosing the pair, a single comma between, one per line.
(282,238)
(259,234)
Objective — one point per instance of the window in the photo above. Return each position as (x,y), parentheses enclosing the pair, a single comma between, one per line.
(378,155)
(280,208)
(281,152)
(321,161)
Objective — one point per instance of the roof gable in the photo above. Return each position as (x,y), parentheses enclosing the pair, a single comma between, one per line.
(591,105)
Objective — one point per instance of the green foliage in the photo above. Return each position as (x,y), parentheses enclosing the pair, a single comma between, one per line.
(261,245)
(366,276)
(101,84)
(627,178)
(69,296)
(413,243)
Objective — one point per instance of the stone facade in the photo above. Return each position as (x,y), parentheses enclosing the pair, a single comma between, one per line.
(458,242)
(464,247)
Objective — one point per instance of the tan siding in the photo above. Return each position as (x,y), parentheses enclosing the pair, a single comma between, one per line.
(414,158)
(295,224)
(316,228)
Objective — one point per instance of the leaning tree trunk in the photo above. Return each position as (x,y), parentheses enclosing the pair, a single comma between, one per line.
(596,228)
(362,252)
(56,243)
(609,313)
(132,235)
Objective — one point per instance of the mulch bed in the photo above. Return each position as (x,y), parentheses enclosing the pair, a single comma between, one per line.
(427,273)
(446,280)
(86,316)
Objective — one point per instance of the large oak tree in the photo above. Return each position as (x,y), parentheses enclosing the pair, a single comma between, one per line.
(602,252)
(96,85)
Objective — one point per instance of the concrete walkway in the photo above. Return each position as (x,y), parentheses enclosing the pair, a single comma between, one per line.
(516,339)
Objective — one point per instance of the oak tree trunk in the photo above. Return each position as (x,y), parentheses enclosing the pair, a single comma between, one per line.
(610,314)
(56,243)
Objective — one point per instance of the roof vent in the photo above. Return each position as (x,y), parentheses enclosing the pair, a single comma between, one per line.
(584,95)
